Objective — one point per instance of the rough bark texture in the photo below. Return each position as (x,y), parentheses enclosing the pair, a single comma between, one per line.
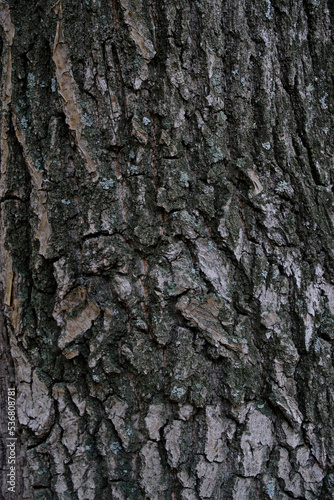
(167,247)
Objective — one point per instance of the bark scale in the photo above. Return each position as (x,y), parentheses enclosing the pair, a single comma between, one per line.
(167,252)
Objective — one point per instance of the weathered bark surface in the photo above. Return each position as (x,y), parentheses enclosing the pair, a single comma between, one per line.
(167,246)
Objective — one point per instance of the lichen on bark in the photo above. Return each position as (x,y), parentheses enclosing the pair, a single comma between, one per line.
(167,220)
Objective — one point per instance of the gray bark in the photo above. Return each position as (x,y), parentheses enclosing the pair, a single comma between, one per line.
(167,248)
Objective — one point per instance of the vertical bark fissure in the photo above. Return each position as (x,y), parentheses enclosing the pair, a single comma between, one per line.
(167,278)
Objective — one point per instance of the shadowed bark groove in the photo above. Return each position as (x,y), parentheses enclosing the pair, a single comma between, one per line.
(167,254)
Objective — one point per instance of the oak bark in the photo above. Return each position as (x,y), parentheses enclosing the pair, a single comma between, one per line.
(167,248)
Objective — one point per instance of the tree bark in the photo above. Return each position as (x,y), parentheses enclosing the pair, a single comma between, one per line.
(167,248)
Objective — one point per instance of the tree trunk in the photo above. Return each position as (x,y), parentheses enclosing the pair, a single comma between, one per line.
(167,248)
